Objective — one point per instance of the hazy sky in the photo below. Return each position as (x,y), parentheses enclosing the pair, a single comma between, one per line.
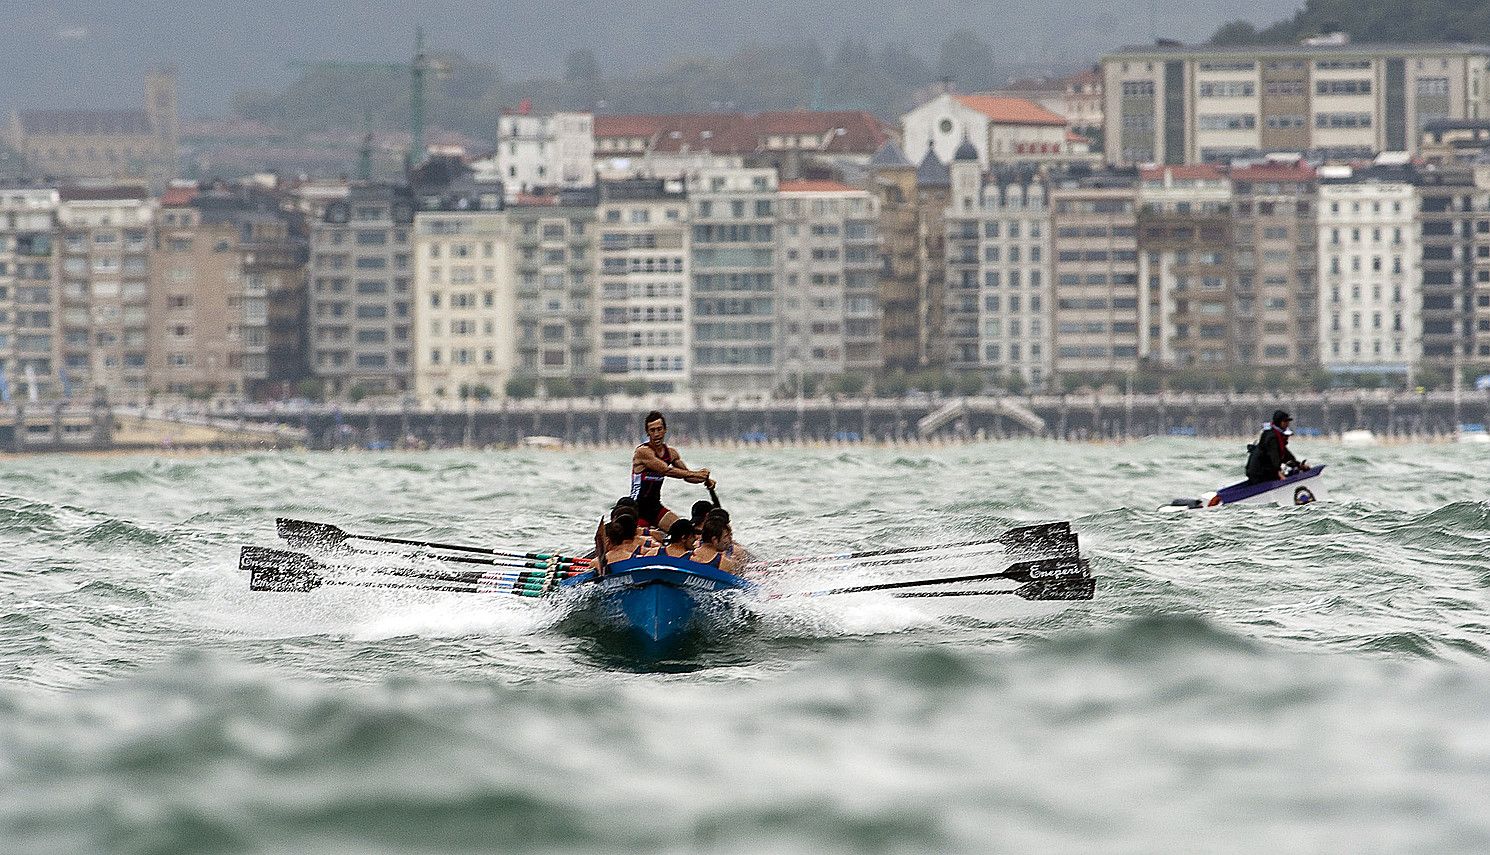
(93,52)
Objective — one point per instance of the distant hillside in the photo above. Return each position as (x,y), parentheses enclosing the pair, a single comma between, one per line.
(1370,21)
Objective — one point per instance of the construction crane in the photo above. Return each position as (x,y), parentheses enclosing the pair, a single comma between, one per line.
(420,70)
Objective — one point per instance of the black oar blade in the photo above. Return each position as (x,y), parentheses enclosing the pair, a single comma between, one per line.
(1048,569)
(280,571)
(1044,540)
(304,533)
(1060,589)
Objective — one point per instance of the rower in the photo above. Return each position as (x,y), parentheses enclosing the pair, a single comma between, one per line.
(737,553)
(1267,457)
(622,540)
(711,547)
(681,540)
(651,463)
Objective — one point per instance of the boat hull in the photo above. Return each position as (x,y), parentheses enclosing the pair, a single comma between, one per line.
(1300,488)
(657,598)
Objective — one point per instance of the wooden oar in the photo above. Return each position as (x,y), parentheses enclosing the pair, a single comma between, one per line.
(305,533)
(1043,539)
(1048,569)
(283,571)
(1062,589)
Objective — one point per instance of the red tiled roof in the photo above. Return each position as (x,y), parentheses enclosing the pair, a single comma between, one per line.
(1087,77)
(1199,171)
(816,186)
(178,197)
(1274,172)
(1072,136)
(1010,111)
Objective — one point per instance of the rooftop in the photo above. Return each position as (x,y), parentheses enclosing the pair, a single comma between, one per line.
(1011,111)
(49,123)
(1307,50)
(739,133)
(816,186)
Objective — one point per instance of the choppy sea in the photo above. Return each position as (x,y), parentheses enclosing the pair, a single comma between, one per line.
(1255,679)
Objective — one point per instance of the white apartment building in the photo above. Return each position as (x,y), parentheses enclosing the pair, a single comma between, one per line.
(553,151)
(104,270)
(643,304)
(1176,104)
(829,250)
(999,274)
(465,303)
(1370,275)
(734,269)
(29,331)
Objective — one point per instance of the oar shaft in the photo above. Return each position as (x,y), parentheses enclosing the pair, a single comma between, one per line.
(1023,571)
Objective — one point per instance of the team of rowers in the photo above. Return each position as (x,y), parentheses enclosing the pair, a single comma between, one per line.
(640,525)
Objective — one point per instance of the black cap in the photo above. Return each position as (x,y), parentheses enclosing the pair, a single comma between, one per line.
(1280,416)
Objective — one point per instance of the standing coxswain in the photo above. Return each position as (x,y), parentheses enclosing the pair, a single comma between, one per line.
(652,463)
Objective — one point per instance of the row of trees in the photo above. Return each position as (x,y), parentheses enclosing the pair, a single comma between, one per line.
(781,74)
(1370,21)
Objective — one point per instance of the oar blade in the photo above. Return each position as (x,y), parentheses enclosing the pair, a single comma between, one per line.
(1059,589)
(279,571)
(1041,540)
(1048,569)
(304,533)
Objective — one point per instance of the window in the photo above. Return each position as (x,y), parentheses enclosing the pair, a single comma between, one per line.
(1343,87)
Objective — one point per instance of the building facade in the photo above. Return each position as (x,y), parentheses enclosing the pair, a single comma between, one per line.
(1003,131)
(829,250)
(222,255)
(1371,282)
(464,301)
(644,249)
(361,280)
(105,243)
(1191,311)
(1181,105)
(1277,288)
(545,151)
(735,296)
(30,330)
(1097,310)
(556,301)
(999,275)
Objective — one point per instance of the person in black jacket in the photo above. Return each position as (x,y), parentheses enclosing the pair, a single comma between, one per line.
(1266,457)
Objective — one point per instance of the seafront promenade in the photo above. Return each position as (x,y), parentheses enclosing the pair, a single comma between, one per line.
(1391,416)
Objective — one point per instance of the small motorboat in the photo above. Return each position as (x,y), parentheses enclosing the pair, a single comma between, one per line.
(1302,487)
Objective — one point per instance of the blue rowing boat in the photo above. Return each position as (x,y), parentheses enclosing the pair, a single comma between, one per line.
(657,596)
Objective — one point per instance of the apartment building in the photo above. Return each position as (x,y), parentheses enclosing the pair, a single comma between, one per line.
(105,237)
(1097,313)
(29,308)
(1454,142)
(545,151)
(222,255)
(1185,264)
(735,295)
(1277,289)
(1371,281)
(644,282)
(465,298)
(829,250)
(893,183)
(1177,104)
(1456,256)
(361,277)
(999,273)
(556,296)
